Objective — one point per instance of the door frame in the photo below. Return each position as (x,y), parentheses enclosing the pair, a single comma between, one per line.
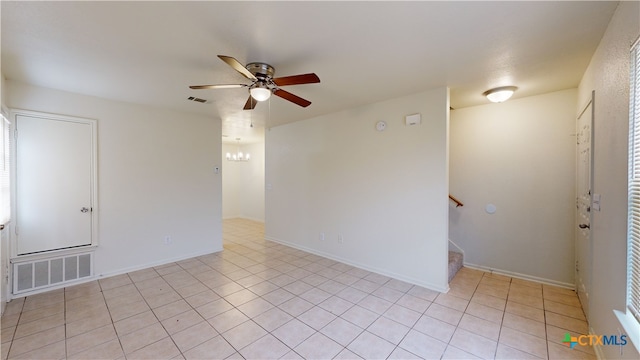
(93,124)
(588,269)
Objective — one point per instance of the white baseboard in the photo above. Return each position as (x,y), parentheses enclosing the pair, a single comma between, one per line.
(154,264)
(596,347)
(244,217)
(390,274)
(252,219)
(521,276)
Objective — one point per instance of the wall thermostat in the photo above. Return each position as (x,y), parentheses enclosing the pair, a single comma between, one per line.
(381,125)
(414,119)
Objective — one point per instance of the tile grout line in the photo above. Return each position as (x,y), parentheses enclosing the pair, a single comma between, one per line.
(15,331)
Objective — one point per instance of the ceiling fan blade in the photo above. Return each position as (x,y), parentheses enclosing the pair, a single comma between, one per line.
(293,98)
(297,79)
(237,66)
(250,104)
(220,86)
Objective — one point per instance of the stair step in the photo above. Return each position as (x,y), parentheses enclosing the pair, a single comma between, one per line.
(455,263)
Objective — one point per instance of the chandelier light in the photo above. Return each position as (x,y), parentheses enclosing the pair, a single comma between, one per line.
(500,94)
(238,155)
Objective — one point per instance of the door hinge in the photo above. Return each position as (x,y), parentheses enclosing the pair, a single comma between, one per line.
(15,133)
(16,229)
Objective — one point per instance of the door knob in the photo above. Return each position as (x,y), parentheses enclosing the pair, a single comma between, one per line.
(584,226)
(84,210)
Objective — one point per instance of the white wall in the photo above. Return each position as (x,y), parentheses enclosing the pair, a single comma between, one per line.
(231,178)
(155,177)
(608,75)
(519,156)
(243,183)
(252,190)
(385,192)
(4,238)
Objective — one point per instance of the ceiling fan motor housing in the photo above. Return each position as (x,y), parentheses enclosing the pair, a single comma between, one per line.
(261,70)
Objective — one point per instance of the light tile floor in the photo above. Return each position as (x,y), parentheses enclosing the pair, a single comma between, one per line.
(261,300)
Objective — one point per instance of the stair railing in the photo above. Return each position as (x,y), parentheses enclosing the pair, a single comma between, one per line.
(458,202)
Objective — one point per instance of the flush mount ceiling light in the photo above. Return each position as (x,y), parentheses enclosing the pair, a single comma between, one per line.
(500,94)
(260,92)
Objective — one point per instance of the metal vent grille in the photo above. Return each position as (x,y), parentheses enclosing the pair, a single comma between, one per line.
(197,99)
(38,274)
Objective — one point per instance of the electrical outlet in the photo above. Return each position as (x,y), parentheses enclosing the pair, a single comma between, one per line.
(321,236)
(168,240)
(341,239)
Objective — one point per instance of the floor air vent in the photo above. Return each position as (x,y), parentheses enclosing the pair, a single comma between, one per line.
(39,274)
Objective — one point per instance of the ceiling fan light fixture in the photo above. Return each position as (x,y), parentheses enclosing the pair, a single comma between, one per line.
(500,94)
(260,92)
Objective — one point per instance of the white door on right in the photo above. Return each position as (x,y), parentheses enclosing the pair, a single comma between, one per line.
(584,176)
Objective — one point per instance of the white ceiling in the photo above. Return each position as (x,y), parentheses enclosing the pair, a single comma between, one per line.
(363,52)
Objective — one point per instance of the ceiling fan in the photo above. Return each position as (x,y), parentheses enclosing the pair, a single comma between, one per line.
(263,84)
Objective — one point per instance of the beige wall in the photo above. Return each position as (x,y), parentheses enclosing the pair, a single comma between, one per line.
(519,156)
(608,75)
(3,93)
(155,178)
(385,192)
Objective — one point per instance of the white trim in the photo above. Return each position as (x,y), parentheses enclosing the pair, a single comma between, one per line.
(630,326)
(628,319)
(52,253)
(597,348)
(390,274)
(156,263)
(5,111)
(244,218)
(521,276)
(250,218)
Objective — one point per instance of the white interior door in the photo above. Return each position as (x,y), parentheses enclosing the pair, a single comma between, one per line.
(584,205)
(53,184)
